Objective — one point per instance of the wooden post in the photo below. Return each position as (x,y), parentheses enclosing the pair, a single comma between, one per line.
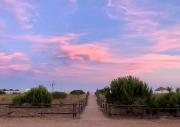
(158,112)
(9,111)
(144,111)
(151,113)
(109,109)
(74,110)
(177,112)
(105,107)
(79,107)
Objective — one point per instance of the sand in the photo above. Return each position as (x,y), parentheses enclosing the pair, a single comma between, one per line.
(91,117)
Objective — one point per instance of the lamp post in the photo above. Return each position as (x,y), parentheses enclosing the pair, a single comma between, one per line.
(52,86)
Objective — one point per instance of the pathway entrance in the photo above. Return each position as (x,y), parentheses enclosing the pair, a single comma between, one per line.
(92,111)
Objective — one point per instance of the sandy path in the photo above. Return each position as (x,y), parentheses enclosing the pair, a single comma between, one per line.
(92,111)
(92,117)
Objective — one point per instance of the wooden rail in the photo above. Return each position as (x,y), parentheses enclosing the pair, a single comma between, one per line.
(136,110)
(42,110)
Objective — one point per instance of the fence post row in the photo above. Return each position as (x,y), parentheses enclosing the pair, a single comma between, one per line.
(76,108)
(145,110)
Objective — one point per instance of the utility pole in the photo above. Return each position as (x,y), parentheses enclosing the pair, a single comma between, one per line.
(52,86)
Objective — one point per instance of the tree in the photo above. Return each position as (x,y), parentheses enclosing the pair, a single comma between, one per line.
(177,89)
(169,89)
(128,90)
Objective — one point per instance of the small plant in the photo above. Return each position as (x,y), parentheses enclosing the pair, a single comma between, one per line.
(59,95)
(77,92)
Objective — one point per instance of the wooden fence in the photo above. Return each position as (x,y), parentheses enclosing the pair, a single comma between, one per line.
(73,109)
(136,110)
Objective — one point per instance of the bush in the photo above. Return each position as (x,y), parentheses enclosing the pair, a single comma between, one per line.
(2,92)
(103,91)
(19,99)
(127,90)
(59,95)
(152,102)
(77,92)
(177,89)
(35,96)
(169,100)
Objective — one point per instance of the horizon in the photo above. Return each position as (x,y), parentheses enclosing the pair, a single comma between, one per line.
(85,44)
(65,89)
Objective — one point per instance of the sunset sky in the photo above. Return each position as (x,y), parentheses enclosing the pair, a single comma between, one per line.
(87,43)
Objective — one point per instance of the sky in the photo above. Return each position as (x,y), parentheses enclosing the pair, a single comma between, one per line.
(84,44)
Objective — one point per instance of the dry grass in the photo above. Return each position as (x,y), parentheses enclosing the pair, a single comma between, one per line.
(102,96)
(70,99)
(6,98)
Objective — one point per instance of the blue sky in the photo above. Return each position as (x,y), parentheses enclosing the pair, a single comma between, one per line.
(87,43)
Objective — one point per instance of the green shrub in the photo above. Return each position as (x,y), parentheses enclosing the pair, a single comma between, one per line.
(39,95)
(77,92)
(35,96)
(2,92)
(59,95)
(152,102)
(103,91)
(128,90)
(169,100)
(19,99)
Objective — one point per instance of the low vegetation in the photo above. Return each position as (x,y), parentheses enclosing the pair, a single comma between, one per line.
(127,91)
(132,91)
(77,92)
(59,95)
(168,100)
(35,96)
(2,92)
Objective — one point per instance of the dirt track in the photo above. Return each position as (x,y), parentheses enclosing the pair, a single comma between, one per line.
(92,117)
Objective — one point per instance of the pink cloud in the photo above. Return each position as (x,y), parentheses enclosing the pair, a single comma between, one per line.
(152,62)
(42,43)
(20,67)
(166,39)
(49,39)
(102,72)
(94,58)
(67,44)
(2,25)
(145,24)
(135,17)
(23,11)
(90,52)
(12,57)
(7,62)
